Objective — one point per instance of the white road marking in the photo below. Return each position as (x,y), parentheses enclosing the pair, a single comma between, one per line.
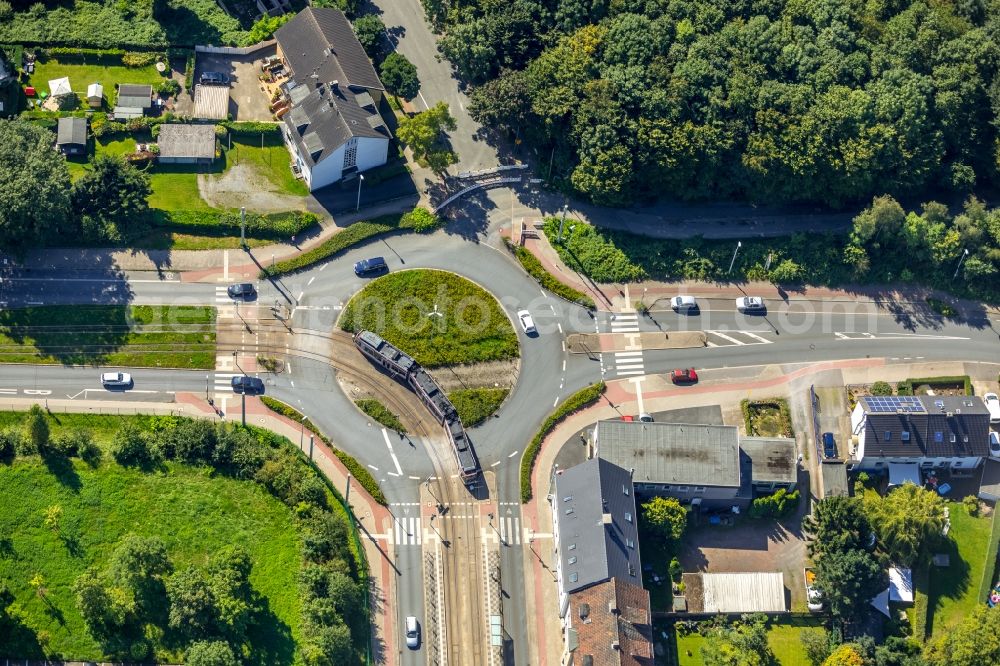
(393,474)
(756,337)
(627,365)
(495,464)
(638,394)
(632,372)
(512,454)
(310,280)
(559,326)
(555,403)
(726,337)
(415,478)
(627,353)
(395,461)
(564,365)
(373,467)
(323,267)
(564,346)
(301,293)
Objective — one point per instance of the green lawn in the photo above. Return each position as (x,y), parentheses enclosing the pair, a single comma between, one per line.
(82,75)
(476,405)
(272,162)
(135,336)
(954,591)
(783,636)
(192,512)
(437,317)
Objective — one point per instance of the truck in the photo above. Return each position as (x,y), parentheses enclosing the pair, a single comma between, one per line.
(814,598)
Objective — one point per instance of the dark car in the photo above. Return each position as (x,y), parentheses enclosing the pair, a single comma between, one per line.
(829,446)
(213,79)
(684,376)
(248,385)
(372,266)
(244,291)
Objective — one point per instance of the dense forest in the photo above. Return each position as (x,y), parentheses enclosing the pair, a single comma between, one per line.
(828,101)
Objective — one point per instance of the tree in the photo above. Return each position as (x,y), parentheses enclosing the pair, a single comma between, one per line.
(229,578)
(817,645)
(130,446)
(744,643)
(849,580)
(53,516)
(908,522)
(845,655)
(111,198)
(370,30)
(421,219)
(837,524)
(192,604)
(139,567)
(36,429)
(327,646)
(264,28)
(400,76)
(666,515)
(786,272)
(974,641)
(105,610)
(34,186)
(210,653)
(881,388)
(422,133)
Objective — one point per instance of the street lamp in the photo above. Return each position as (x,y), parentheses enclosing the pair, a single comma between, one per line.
(302,431)
(243,227)
(243,396)
(739,244)
(965,253)
(502,541)
(361,179)
(561,223)
(427,484)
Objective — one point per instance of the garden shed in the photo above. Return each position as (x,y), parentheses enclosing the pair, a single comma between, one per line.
(71,136)
(95,95)
(186,143)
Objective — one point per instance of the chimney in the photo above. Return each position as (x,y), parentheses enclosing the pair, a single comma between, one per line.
(605,518)
(613,606)
(615,645)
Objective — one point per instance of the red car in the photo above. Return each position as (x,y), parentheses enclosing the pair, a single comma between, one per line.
(686,376)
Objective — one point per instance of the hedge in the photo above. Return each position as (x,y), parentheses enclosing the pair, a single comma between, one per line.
(189,73)
(218,222)
(355,234)
(249,127)
(534,267)
(357,470)
(582,398)
(380,413)
(906,387)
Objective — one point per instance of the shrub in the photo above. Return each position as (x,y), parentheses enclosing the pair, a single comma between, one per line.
(880,388)
(215,222)
(139,59)
(775,505)
(130,446)
(189,72)
(169,88)
(381,414)
(534,268)
(675,570)
(421,220)
(107,128)
(585,249)
(574,403)
(971,504)
(940,307)
(934,382)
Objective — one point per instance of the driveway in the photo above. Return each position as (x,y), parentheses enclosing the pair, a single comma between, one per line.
(247,99)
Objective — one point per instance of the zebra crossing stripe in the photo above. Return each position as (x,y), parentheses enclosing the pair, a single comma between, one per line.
(406,531)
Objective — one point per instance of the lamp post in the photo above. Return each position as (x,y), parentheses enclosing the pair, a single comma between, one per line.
(361,179)
(302,430)
(243,227)
(561,223)
(243,395)
(739,244)
(965,253)
(502,541)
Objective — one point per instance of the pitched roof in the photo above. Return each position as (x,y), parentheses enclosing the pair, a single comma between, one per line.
(181,140)
(321,41)
(926,426)
(95,90)
(60,87)
(71,131)
(594,506)
(672,453)
(324,119)
(134,95)
(612,624)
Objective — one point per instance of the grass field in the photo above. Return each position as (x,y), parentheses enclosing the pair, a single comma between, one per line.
(437,317)
(81,74)
(380,414)
(193,513)
(476,405)
(135,336)
(783,636)
(954,590)
(272,162)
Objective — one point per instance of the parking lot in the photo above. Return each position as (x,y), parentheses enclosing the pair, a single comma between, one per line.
(247,99)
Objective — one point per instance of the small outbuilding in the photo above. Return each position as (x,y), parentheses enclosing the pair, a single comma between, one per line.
(989,486)
(71,137)
(211,102)
(95,95)
(731,593)
(133,100)
(186,143)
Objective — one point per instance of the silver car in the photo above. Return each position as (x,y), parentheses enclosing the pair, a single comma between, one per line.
(750,304)
(680,303)
(116,380)
(412,633)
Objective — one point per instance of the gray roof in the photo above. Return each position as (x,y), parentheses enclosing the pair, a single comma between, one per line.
(134,95)
(321,41)
(591,502)
(326,118)
(931,426)
(178,140)
(773,459)
(834,478)
(672,453)
(72,131)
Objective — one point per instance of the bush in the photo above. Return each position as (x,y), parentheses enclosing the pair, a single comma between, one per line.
(189,72)
(214,222)
(130,446)
(880,388)
(421,220)
(381,414)
(168,88)
(971,504)
(574,403)
(586,250)
(534,268)
(940,307)
(476,405)
(948,381)
(250,127)
(776,505)
(139,59)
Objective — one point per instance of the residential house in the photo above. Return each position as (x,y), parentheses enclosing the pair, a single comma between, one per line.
(604,608)
(186,144)
(334,129)
(903,434)
(10,88)
(133,100)
(773,463)
(95,95)
(71,136)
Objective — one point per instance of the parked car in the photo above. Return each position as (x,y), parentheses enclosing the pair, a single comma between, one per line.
(412,633)
(993,405)
(242,292)
(248,385)
(814,598)
(994,445)
(683,303)
(214,79)
(829,445)
(684,376)
(750,304)
(527,323)
(116,380)
(372,266)
(646,418)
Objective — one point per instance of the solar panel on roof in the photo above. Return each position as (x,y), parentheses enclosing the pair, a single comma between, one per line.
(892,404)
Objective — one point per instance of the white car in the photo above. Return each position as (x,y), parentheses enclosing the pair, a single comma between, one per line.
(412,633)
(113,380)
(994,445)
(993,404)
(680,303)
(527,323)
(750,304)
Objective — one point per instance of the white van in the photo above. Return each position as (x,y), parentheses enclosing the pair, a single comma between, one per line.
(412,633)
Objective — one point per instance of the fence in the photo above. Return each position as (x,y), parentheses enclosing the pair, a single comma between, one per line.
(989,570)
(235,50)
(471,188)
(814,401)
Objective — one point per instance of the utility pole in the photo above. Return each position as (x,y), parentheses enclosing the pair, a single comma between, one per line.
(243,227)
(739,244)
(561,223)
(965,253)
(361,179)
(243,395)
(347,497)
(311,437)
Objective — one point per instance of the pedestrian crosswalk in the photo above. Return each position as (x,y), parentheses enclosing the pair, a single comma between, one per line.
(222,296)
(625,323)
(406,531)
(735,338)
(222,382)
(510,530)
(629,363)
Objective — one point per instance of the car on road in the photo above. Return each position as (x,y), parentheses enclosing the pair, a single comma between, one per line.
(371,266)
(994,445)
(683,303)
(527,323)
(244,291)
(750,304)
(684,376)
(116,380)
(645,418)
(829,445)
(993,405)
(213,79)
(412,633)
(248,385)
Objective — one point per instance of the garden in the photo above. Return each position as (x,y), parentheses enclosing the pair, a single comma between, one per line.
(83,68)
(162,538)
(767,418)
(437,317)
(783,638)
